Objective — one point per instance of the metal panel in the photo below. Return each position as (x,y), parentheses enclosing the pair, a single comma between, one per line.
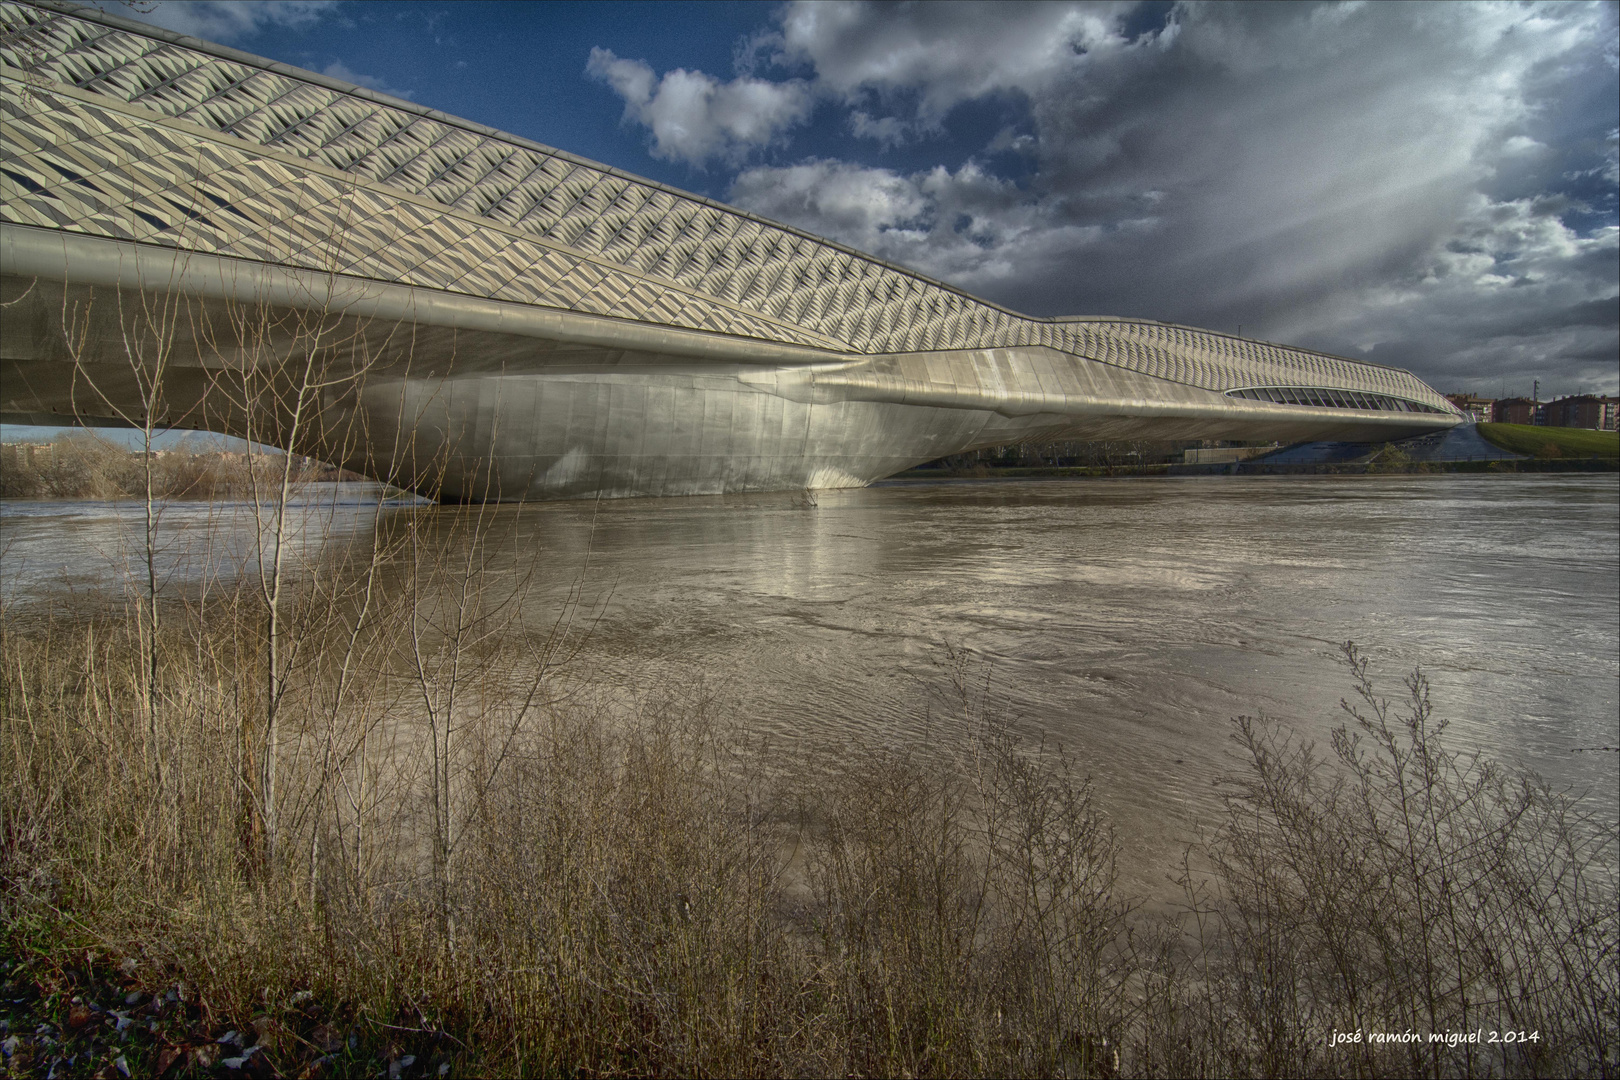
(139,137)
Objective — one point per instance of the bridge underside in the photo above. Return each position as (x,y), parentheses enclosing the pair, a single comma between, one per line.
(467,399)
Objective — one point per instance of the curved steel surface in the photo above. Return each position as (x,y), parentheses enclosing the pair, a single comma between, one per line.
(514,321)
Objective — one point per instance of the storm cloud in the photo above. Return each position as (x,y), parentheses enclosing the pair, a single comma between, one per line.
(1432,186)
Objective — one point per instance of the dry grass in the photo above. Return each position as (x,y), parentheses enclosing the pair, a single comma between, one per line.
(473,862)
(631,897)
(1397,888)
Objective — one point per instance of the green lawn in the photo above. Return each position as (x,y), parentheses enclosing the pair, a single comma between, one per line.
(1553,441)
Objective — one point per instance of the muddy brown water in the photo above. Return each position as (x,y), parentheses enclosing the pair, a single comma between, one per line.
(1126,620)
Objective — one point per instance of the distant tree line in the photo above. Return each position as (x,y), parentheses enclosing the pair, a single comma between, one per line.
(83,465)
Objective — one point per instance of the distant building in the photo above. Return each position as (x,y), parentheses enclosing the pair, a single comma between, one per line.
(28,455)
(1476,408)
(1583,411)
(1515,410)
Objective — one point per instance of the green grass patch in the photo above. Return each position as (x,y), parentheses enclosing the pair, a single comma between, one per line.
(1553,442)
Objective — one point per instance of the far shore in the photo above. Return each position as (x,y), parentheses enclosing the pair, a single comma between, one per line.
(1256,468)
(84,465)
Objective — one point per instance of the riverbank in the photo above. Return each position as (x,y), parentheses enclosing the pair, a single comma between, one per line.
(568,886)
(1553,442)
(1385,467)
(1484,448)
(83,465)
(981,471)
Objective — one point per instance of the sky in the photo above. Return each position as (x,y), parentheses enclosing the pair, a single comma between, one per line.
(1432,186)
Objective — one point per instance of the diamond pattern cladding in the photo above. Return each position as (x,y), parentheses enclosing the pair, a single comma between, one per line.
(337,180)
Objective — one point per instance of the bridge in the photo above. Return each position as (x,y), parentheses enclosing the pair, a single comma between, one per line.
(193,236)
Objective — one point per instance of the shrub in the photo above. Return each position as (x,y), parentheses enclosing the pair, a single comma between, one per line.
(646,889)
(1399,886)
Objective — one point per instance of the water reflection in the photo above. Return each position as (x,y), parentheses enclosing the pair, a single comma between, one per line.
(1126,620)
(100,546)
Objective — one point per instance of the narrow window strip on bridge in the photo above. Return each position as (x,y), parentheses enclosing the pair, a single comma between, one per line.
(1326,397)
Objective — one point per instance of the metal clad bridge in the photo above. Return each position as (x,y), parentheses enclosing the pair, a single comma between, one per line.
(479,316)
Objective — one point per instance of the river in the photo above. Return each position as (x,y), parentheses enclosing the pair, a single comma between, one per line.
(1126,620)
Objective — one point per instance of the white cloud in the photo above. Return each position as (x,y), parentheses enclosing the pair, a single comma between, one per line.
(695,117)
(887,131)
(1510,293)
(337,69)
(1611,162)
(225,21)
(943,54)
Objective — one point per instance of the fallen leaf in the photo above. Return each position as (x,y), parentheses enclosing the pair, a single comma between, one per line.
(167,1057)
